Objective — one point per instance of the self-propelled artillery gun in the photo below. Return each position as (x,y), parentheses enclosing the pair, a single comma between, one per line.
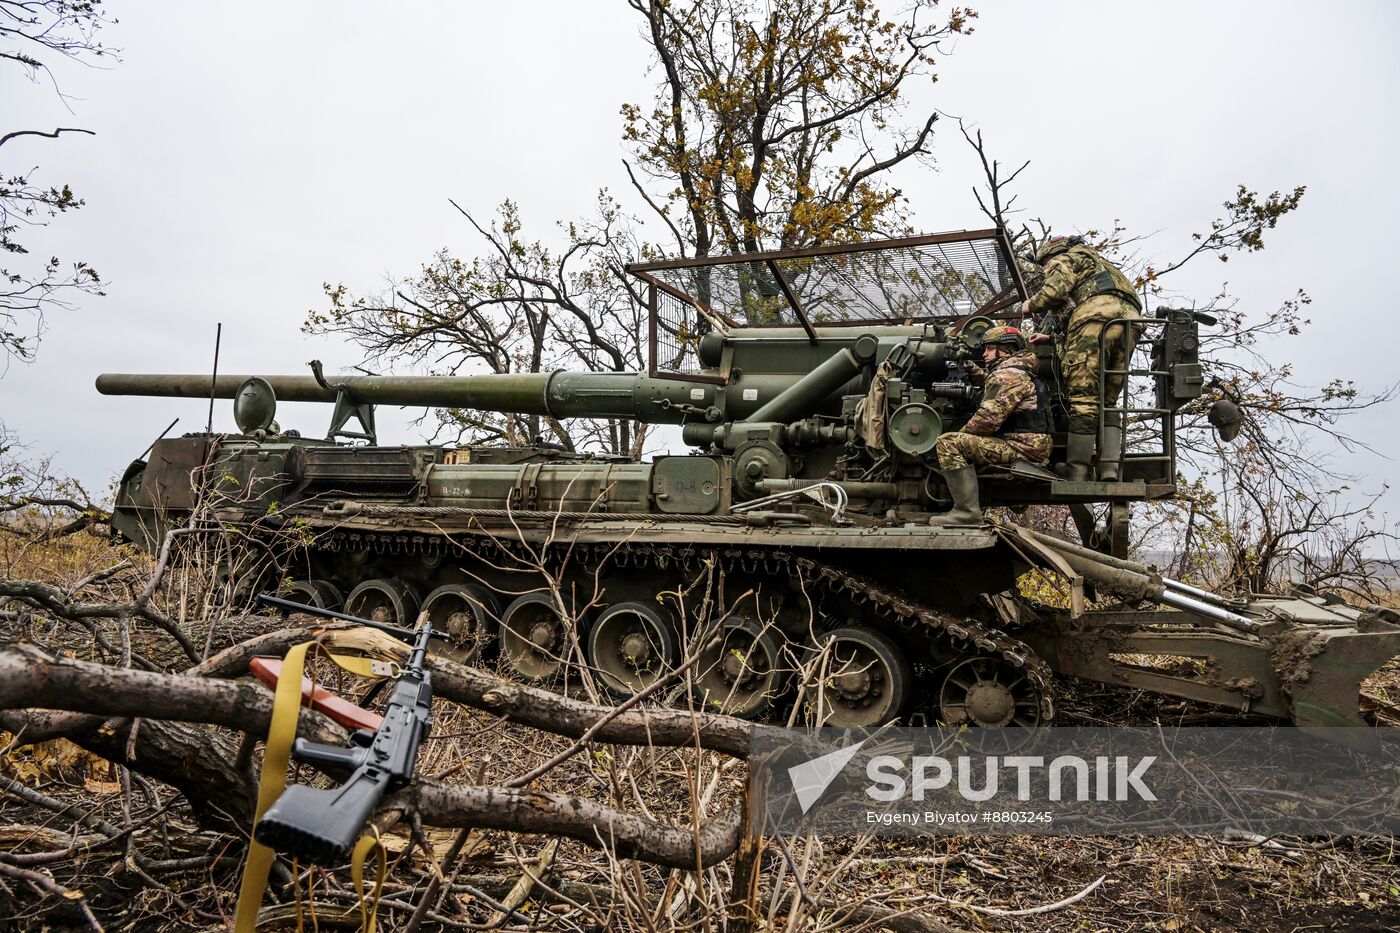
(811,387)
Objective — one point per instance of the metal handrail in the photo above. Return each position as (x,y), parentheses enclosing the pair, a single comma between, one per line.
(1122,407)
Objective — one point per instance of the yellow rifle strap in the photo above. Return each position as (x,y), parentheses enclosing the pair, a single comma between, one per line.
(296,886)
(368,913)
(364,667)
(310,900)
(272,781)
(277,754)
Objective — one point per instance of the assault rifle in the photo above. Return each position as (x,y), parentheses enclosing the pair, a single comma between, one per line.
(321,826)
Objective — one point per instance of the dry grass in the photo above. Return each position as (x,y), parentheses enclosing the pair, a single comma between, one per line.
(63,561)
(1150,883)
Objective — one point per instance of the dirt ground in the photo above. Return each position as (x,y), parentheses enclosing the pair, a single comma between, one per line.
(1166,883)
(971,883)
(1018,883)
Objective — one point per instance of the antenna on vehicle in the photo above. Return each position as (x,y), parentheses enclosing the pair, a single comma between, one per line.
(167,430)
(214,379)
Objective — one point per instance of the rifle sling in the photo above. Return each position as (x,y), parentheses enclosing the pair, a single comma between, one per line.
(277,753)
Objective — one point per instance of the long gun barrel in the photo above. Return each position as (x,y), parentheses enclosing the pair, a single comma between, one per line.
(321,825)
(762,377)
(557,394)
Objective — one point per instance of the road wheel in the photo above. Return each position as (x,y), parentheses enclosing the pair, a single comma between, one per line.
(386,601)
(862,682)
(742,673)
(631,646)
(469,614)
(534,638)
(990,694)
(323,594)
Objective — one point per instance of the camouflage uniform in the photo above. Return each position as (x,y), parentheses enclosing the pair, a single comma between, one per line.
(1089,290)
(1009,388)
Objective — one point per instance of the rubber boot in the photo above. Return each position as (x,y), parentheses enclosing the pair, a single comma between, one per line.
(1109,448)
(1079,452)
(966,510)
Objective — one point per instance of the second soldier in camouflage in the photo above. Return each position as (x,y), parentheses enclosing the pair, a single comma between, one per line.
(1087,294)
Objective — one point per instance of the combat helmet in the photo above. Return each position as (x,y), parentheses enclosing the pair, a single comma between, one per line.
(1009,338)
(1055,246)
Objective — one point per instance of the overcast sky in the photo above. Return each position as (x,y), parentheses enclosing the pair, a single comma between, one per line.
(246,154)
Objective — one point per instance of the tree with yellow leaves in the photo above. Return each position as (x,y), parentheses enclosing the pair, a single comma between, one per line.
(776,125)
(772,125)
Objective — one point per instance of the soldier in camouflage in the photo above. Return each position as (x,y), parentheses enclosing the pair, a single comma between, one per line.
(1086,293)
(1011,423)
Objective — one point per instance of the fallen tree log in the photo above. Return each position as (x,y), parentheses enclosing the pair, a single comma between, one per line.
(32,677)
(526,706)
(595,825)
(193,758)
(174,714)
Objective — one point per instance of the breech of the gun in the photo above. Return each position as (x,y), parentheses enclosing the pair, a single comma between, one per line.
(321,826)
